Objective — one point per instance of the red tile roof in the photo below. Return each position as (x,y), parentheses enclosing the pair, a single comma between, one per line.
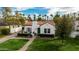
(29,23)
(44,22)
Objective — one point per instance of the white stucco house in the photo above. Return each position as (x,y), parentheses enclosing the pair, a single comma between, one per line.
(75,31)
(40,27)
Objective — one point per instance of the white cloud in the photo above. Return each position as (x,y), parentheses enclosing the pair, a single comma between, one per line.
(63,10)
(21,8)
(53,11)
(70,9)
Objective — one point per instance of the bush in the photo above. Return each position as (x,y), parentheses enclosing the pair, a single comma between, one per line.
(5,31)
(46,35)
(25,34)
(77,37)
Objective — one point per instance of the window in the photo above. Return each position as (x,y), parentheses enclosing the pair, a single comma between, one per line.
(29,29)
(18,26)
(46,30)
(22,28)
(13,26)
(38,30)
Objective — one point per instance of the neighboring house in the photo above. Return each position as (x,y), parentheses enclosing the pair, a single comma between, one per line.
(75,31)
(40,27)
(12,26)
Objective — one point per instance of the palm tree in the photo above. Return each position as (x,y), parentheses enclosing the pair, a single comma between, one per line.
(34,17)
(51,16)
(39,17)
(29,17)
(45,16)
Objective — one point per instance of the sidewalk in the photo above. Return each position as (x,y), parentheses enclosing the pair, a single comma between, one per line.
(25,47)
(8,37)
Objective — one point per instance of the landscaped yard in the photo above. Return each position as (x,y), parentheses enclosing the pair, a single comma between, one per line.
(12,44)
(54,45)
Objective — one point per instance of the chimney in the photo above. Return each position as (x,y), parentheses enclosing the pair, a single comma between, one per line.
(34,26)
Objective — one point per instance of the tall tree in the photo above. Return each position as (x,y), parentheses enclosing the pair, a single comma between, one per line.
(20,18)
(6,12)
(64,28)
(57,18)
(45,17)
(39,17)
(29,17)
(51,16)
(17,15)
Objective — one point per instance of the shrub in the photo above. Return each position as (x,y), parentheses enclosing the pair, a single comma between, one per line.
(25,34)
(46,35)
(77,37)
(5,31)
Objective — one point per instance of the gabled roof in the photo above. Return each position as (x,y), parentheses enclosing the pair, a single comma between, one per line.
(46,21)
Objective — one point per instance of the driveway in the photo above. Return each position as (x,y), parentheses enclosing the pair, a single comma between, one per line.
(8,37)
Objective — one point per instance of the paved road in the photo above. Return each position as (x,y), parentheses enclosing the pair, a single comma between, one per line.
(8,37)
(25,47)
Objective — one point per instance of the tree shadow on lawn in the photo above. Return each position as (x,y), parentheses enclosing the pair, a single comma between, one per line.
(44,46)
(72,41)
(70,44)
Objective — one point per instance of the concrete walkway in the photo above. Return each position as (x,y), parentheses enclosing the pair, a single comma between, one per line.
(25,47)
(8,37)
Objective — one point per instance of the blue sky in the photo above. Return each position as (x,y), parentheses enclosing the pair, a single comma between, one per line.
(45,10)
(32,10)
(35,10)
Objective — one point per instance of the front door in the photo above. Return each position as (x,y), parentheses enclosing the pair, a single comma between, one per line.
(38,30)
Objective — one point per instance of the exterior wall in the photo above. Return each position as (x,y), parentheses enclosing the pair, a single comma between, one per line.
(26,27)
(51,27)
(75,32)
(15,28)
(1,27)
(34,26)
(76,24)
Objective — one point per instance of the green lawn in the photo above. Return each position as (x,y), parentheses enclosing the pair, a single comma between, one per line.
(54,45)
(12,44)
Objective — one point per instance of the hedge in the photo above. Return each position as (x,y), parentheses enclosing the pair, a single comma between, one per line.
(5,31)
